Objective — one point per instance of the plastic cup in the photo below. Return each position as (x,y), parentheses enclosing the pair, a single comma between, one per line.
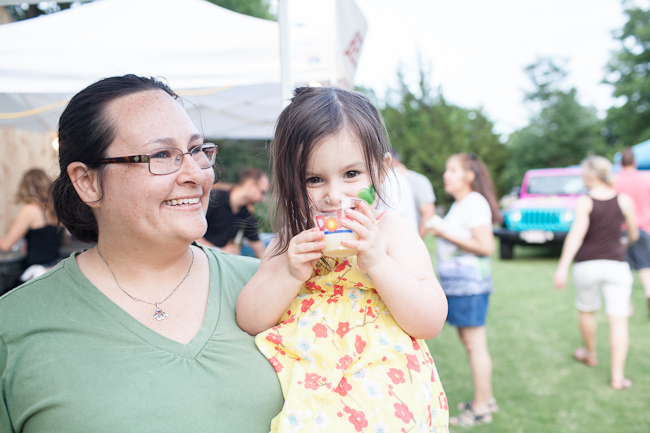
(327,214)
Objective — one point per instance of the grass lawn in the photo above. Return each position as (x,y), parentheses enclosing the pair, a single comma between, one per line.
(532,332)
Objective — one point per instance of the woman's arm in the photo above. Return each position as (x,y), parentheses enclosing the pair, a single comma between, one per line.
(277,282)
(400,267)
(27,217)
(574,240)
(481,243)
(626,205)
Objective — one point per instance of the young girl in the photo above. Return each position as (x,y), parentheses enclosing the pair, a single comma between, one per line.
(346,335)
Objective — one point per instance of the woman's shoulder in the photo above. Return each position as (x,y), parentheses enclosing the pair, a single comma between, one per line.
(239,264)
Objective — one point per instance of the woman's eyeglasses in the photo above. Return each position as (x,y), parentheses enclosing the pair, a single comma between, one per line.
(168,160)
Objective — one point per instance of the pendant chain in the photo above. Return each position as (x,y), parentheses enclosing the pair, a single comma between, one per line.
(160,314)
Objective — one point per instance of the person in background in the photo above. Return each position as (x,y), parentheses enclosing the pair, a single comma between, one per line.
(231,211)
(137,333)
(424,198)
(595,241)
(37,223)
(397,196)
(637,186)
(465,244)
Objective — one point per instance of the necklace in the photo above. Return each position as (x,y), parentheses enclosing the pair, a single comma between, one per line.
(160,314)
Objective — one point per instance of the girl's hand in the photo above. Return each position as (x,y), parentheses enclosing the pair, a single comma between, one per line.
(370,248)
(559,278)
(303,253)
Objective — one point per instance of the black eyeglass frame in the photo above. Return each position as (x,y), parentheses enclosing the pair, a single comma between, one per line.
(141,159)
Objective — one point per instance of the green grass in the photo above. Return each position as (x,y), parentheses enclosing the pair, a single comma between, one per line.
(532,332)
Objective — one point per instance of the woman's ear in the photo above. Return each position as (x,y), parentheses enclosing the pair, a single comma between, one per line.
(471,175)
(85,182)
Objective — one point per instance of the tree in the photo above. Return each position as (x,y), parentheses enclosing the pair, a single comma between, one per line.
(561,133)
(254,8)
(426,130)
(629,123)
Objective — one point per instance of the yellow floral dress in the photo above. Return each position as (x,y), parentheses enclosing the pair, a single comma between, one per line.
(345,365)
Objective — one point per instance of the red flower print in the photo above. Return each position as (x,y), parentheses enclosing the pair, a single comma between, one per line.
(344,362)
(343,387)
(311,381)
(416,345)
(320,330)
(276,364)
(306,303)
(370,312)
(338,290)
(274,338)
(289,320)
(397,376)
(330,300)
(357,418)
(344,328)
(413,363)
(402,412)
(359,284)
(440,399)
(359,344)
(342,266)
(312,286)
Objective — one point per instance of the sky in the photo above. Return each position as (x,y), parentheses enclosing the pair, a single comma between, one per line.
(476,50)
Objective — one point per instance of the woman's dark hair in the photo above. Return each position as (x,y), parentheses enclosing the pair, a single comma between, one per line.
(482,182)
(315,114)
(85,132)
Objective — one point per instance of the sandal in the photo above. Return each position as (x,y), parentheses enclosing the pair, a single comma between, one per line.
(469,418)
(582,355)
(492,405)
(621,384)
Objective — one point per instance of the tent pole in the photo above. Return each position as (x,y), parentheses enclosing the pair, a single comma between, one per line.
(284,22)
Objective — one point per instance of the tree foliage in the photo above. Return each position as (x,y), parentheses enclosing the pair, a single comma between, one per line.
(628,72)
(254,8)
(426,129)
(560,133)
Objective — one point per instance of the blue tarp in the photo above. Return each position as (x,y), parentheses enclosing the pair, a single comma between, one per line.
(641,155)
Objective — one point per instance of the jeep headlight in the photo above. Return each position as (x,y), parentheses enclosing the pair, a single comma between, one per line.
(568,216)
(515,216)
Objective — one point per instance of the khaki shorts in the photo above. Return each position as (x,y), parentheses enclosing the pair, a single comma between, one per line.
(612,278)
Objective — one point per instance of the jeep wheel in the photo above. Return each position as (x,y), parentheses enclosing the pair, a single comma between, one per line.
(506,250)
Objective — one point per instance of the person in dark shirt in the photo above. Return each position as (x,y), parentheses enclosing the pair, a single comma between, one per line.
(230,211)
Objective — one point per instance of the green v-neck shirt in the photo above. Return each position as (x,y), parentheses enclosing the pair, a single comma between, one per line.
(72,361)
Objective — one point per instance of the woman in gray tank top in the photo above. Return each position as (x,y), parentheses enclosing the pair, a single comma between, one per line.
(595,242)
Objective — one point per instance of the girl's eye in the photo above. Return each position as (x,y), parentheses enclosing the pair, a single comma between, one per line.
(350,174)
(313,180)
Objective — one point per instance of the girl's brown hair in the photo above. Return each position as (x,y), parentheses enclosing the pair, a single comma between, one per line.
(315,114)
(482,182)
(34,188)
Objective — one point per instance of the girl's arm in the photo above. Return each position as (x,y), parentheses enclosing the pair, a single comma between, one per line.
(481,243)
(400,267)
(277,282)
(626,205)
(574,240)
(27,216)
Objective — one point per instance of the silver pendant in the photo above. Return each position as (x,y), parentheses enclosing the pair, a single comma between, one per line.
(160,314)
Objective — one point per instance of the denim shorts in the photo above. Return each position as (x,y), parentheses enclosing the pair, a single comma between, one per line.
(468,311)
(638,254)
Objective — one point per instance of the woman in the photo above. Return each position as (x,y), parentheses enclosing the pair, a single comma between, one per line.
(138,333)
(595,237)
(466,241)
(36,222)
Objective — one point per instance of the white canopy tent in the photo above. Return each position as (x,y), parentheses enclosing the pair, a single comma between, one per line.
(226,65)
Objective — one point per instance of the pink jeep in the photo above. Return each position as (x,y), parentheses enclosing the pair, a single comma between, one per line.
(543,213)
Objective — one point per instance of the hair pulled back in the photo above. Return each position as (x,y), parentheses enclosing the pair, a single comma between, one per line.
(482,182)
(314,115)
(85,132)
(599,167)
